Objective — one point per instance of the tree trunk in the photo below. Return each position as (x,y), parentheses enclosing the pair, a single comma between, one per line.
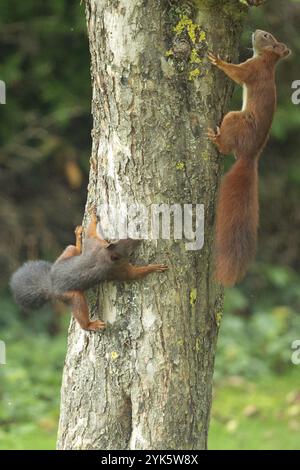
(146,382)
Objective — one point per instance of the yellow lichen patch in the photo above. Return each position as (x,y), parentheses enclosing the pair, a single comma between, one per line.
(180,165)
(194,74)
(182,24)
(193,296)
(219,318)
(194,57)
(187,24)
(114,355)
(192,29)
(202,36)
(192,35)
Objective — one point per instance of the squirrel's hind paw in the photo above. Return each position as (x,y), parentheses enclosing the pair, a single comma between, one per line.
(213,135)
(93,213)
(96,325)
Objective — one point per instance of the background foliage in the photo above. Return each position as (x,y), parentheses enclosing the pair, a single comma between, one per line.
(44,160)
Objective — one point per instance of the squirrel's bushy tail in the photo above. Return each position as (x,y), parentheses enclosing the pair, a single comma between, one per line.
(237,221)
(31,284)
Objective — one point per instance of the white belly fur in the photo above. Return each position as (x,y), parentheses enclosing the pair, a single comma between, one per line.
(245,97)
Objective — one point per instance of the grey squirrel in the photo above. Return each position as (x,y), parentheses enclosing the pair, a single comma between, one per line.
(244,133)
(77,269)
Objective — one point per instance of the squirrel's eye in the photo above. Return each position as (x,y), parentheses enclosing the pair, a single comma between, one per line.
(266,36)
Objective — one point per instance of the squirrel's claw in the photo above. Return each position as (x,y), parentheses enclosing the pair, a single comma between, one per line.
(215,60)
(213,135)
(160,268)
(211,56)
(93,212)
(96,325)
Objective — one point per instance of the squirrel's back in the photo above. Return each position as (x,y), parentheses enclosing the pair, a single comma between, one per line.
(80,272)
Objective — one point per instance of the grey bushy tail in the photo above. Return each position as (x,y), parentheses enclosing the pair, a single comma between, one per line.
(31,284)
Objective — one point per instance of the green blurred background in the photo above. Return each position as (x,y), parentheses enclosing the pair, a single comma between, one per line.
(44,162)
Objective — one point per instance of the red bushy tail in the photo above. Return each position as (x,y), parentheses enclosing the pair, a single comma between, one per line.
(237,221)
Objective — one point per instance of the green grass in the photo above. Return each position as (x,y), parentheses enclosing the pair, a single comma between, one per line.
(257,415)
(254,407)
(28,437)
(30,391)
(245,415)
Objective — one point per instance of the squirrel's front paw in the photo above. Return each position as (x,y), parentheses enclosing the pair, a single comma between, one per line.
(215,60)
(78,230)
(160,268)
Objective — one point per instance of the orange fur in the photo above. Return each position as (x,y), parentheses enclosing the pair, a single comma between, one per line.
(237,221)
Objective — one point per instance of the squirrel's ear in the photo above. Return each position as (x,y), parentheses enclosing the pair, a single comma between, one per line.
(111,245)
(282,50)
(115,256)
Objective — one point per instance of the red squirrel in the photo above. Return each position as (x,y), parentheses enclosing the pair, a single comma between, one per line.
(76,270)
(244,133)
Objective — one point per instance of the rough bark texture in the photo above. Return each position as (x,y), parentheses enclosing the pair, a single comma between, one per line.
(146,382)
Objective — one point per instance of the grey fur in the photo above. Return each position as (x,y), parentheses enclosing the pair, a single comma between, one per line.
(31,284)
(37,282)
(93,266)
(81,272)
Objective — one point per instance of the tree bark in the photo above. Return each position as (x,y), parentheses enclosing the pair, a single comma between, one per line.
(146,382)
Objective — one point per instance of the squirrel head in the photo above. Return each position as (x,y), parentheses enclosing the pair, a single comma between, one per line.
(263,41)
(121,249)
